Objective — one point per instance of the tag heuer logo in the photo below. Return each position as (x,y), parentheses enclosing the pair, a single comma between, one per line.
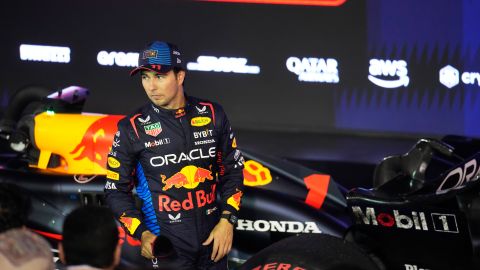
(153,129)
(150,54)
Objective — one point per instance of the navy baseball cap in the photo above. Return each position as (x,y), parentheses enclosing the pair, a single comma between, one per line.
(160,57)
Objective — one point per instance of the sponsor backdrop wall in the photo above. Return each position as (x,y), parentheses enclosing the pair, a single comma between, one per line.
(402,67)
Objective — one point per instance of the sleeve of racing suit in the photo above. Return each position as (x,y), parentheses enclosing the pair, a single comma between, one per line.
(120,181)
(230,166)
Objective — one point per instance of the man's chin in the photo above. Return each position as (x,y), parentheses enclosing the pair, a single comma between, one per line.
(159,102)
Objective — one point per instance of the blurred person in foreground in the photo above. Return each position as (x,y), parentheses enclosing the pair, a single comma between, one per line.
(20,248)
(90,239)
(178,151)
(15,206)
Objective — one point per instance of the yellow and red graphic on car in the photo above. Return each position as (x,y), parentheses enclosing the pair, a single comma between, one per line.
(188,177)
(130,223)
(82,141)
(255,174)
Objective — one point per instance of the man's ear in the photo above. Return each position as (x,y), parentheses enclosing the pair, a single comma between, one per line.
(61,253)
(180,77)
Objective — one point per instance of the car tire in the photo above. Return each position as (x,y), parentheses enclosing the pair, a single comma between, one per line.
(311,251)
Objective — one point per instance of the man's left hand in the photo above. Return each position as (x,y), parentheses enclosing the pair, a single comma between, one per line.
(222,237)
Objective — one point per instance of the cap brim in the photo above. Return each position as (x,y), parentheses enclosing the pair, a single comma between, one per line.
(164,69)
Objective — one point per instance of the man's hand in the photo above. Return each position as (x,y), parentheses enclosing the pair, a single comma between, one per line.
(147,244)
(222,236)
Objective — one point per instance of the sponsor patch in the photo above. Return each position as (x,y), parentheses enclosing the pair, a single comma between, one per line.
(153,129)
(110,185)
(201,110)
(211,210)
(235,199)
(200,121)
(113,162)
(176,218)
(112,175)
(150,54)
(116,143)
(144,121)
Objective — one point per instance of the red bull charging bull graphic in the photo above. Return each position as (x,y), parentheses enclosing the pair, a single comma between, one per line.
(90,134)
(189,177)
(97,140)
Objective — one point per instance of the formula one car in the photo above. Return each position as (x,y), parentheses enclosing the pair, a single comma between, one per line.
(58,153)
(422,212)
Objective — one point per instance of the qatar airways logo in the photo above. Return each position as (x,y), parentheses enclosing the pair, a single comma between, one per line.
(121,59)
(407,221)
(223,64)
(194,154)
(312,69)
(388,73)
(43,53)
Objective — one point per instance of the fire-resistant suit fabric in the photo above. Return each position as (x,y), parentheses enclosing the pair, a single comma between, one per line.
(177,160)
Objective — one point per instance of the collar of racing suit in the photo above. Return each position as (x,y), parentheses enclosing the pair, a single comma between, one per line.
(175,112)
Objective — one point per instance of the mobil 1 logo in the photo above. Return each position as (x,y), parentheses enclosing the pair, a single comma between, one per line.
(405,220)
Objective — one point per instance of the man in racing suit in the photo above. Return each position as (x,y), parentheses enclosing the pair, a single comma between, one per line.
(178,151)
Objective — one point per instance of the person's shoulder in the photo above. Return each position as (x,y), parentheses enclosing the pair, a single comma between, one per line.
(200,102)
(139,112)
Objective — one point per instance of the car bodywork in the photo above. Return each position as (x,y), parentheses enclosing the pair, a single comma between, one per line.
(59,154)
(423,211)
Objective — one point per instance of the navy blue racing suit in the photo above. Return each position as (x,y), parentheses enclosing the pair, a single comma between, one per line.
(178,160)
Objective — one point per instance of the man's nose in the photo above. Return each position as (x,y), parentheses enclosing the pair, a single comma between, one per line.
(151,86)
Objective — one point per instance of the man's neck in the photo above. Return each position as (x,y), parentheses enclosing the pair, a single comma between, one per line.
(178,102)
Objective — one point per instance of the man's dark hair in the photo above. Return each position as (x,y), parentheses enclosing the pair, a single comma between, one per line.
(15,206)
(90,236)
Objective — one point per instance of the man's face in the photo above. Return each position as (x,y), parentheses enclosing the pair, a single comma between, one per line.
(163,89)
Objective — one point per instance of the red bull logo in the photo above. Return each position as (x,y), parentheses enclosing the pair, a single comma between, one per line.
(189,177)
(198,199)
(97,140)
(130,223)
(235,200)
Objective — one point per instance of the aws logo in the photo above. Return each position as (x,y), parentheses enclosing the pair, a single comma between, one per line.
(388,73)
